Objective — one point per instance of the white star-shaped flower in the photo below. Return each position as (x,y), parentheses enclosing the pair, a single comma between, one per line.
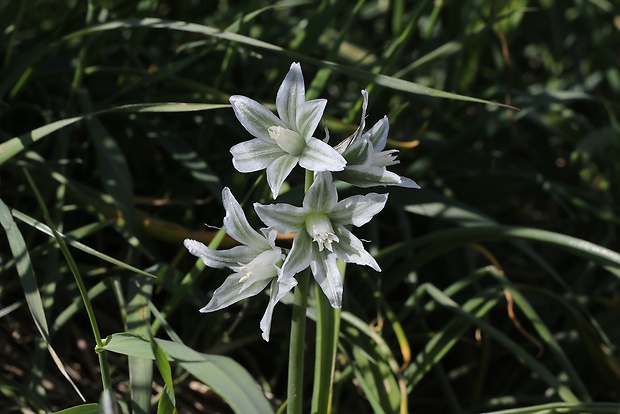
(321,235)
(256,264)
(282,142)
(366,158)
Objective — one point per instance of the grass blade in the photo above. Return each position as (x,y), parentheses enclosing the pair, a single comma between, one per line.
(383,80)
(15,145)
(74,243)
(228,379)
(29,285)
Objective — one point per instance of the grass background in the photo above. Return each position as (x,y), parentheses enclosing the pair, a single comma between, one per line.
(499,288)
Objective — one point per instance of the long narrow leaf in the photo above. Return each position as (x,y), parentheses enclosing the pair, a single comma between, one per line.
(29,284)
(139,323)
(13,146)
(383,80)
(74,243)
(227,378)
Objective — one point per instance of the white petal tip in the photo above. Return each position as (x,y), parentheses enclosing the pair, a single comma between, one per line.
(193,246)
(409,183)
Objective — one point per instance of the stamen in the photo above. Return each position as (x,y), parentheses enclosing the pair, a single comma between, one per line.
(319,227)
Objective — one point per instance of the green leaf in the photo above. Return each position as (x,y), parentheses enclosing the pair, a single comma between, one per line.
(564,407)
(383,80)
(113,170)
(517,351)
(442,241)
(139,322)
(15,145)
(92,408)
(227,378)
(376,366)
(74,243)
(167,402)
(29,285)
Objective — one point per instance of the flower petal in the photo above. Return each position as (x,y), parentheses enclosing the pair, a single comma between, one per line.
(282,217)
(264,267)
(308,116)
(378,134)
(326,274)
(359,130)
(358,210)
(360,153)
(291,94)
(229,293)
(237,226)
(278,170)
(321,196)
(255,154)
(276,293)
(220,258)
(408,183)
(254,117)
(319,156)
(299,257)
(369,176)
(351,250)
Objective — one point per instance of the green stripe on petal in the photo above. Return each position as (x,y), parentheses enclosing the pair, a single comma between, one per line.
(359,153)
(254,117)
(326,274)
(358,210)
(319,156)
(378,134)
(369,176)
(276,293)
(255,154)
(351,250)
(308,117)
(278,170)
(284,218)
(298,258)
(229,294)
(360,129)
(291,94)
(220,258)
(237,226)
(321,196)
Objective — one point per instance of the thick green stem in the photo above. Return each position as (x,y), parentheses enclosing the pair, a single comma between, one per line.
(327,329)
(297,344)
(298,334)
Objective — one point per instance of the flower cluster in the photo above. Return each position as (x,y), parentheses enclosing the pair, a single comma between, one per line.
(320,224)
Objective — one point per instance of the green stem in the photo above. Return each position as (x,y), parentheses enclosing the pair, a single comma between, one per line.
(327,330)
(298,334)
(297,343)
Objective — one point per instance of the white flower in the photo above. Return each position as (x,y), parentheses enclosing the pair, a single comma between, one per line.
(366,159)
(282,142)
(256,264)
(321,235)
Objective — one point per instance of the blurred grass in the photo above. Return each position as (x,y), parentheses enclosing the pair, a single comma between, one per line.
(86,91)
